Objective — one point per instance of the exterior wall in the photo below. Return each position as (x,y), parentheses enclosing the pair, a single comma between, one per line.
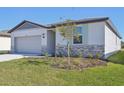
(96,33)
(112,42)
(93,34)
(118,43)
(5,43)
(30,32)
(60,40)
(93,41)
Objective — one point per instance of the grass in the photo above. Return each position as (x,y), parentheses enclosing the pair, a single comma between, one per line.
(40,72)
(117,58)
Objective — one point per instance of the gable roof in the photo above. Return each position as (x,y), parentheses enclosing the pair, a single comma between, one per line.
(25,21)
(82,21)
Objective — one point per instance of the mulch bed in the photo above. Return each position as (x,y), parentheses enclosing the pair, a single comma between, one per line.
(78,63)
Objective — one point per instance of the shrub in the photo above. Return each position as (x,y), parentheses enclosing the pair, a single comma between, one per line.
(80,55)
(98,55)
(90,55)
(46,56)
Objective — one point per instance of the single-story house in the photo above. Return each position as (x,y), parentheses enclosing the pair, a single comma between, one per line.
(5,41)
(97,35)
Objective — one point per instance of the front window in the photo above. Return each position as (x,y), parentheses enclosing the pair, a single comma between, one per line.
(78,36)
(77,39)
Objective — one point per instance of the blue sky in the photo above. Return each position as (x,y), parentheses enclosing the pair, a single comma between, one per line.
(9,17)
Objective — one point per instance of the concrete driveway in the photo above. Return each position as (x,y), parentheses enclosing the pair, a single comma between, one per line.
(8,57)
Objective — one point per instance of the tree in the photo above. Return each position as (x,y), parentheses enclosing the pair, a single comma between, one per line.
(67,30)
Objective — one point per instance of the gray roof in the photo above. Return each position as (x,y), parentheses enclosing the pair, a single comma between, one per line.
(11,30)
(91,20)
(81,21)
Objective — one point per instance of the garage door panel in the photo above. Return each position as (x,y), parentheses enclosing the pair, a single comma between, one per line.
(30,44)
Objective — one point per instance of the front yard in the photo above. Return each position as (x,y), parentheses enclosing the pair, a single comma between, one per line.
(30,71)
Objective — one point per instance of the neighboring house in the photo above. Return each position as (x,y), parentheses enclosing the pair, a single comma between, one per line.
(97,36)
(5,41)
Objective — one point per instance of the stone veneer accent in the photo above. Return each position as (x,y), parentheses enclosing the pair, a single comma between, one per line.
(85,50)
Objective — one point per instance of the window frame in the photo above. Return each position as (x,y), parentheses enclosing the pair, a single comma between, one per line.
(80,34)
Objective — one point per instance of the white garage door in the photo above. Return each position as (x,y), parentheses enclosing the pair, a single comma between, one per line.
(29,44)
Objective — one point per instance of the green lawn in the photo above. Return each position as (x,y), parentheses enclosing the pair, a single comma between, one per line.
(118,57)
(37,72)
